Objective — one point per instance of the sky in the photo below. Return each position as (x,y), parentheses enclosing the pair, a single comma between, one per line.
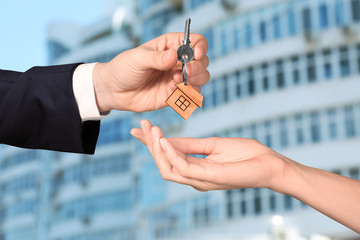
(23,27)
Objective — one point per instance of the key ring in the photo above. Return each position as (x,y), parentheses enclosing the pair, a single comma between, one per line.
(185,73)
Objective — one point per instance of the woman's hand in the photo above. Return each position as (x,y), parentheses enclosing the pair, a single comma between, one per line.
(229,163)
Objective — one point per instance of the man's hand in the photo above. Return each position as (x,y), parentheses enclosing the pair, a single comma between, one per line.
(141,79)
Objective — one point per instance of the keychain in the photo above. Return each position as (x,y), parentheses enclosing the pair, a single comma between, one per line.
(185,99)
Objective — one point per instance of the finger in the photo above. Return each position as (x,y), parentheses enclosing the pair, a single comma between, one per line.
(190,146)
(200,79)
(146,131)
(159,60)
(196,67)
(200,45)
(137,133)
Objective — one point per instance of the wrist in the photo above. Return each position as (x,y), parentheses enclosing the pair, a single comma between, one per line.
(285,178)
(101,88)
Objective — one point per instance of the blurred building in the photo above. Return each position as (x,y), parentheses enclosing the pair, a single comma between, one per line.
(282,72)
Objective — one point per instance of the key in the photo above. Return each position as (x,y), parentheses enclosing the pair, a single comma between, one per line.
(185,52)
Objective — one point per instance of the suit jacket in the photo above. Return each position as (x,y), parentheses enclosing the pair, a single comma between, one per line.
(38,110)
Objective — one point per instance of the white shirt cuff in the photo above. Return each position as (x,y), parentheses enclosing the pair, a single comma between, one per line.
(83,88)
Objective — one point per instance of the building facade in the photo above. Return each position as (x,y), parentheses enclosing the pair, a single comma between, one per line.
(283,72)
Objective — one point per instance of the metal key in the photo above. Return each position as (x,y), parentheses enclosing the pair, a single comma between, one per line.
(185,52)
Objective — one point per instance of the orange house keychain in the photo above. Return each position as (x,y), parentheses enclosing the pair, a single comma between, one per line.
(185,99)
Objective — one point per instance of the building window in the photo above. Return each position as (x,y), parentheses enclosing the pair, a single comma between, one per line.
(288,202)
(344,62)
(225,89)
(306,17)
(262,29)
(223,40)
(283,136)
(277,27)
(315,126)
(268,138)
(327,64)
(323,16)
(265,78)
(280,81)
(311,69)
(229,203)
(291,22)
(236,38)
(355,8)
(248,35)
(339,13)
(333,132)
(251,86)
(300,138)
(272,202)
(238,84)
(209,35)
(349,122)
(253,131)
(214,95)
(257,201)
(358,58)
(354,173)
(295,70)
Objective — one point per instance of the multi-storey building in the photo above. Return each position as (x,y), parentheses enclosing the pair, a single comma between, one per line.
(283,72)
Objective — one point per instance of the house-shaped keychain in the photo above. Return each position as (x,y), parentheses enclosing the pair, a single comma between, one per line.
(184,100)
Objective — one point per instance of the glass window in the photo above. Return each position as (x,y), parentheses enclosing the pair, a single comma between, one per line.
(268,137)
(333,131)
(253,131)
(283,136)
(323,16)
(328,72)
(236,38)
(311,69)
(209,35)
(251,86)
(238,84)
(349,122)
(358,58)
(288,202)
(214,94)
(280,81)
(315,127)
(272,202)
(265,78)
(355,8)
(300,138)
(276,27)
(295,70)
(291,22)
(257,201)
(223,40)
(262,29)
(306,15)
(225,89)
(354,173)
(339,13)
(344,62)
(248,35)
(229,203)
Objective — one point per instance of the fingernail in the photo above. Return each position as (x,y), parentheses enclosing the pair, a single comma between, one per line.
(163,143)
(133,132)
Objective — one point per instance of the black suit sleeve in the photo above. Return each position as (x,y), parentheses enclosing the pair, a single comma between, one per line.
(39,111)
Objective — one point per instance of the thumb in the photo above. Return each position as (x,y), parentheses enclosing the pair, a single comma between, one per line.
(159,60)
